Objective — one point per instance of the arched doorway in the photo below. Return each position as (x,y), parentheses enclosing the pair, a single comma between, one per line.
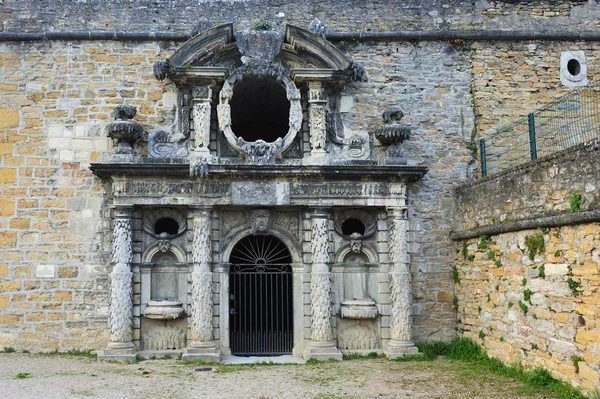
(260,297)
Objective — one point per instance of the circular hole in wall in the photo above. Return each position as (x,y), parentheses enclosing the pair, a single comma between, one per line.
(166,225)
(260,109)
(353,225)
(574,67)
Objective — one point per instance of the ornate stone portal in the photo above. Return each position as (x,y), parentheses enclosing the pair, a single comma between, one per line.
(269,194)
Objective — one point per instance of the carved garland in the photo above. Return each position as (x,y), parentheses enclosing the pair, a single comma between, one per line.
(320,293)
(400,298)
(202,306)
(120,317)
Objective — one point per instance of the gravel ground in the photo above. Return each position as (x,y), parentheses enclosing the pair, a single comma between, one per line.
(24,376)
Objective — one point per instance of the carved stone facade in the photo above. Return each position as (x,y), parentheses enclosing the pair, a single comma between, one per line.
(217,227)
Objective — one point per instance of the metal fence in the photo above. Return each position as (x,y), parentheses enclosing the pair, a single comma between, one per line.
(571,120)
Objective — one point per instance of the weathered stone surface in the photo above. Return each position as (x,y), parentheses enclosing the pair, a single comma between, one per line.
(9,118)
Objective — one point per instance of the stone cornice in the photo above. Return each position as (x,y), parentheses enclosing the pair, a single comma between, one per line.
(215,171)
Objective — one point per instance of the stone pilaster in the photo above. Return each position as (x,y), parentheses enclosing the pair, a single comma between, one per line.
(202,346)
(322,346)
(316,109)
(120,316)
(201,115)
(401,297)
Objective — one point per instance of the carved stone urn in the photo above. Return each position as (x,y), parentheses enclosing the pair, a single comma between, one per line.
(393,134)
(124,132)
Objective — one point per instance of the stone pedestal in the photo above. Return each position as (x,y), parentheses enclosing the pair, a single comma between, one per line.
(322,345)
(401,342)
(120,317)
(202,347)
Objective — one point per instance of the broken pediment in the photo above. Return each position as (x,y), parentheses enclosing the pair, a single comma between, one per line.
(217,52)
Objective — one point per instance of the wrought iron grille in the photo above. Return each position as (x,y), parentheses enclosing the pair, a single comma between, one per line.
(260,298)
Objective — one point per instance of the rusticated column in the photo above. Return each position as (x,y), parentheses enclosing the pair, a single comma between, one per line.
(401,297)
(202,114)
(120,317)
(316,109)
(202,346)
(322,346)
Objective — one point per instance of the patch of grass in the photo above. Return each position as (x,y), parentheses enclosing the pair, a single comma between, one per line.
(484,242)
(90,354)
(359,356)
(557,253)
(465,251)
(471,258)
(455,303)
(481,334)
(527,295)
(455,276)
(22,376)
(537,380)
(574,285)
(575,202)
(523,307)
(498,264)
(545,230)
(8,349)
(542,270)
(524,282)
(535,245)
(576,359)
(510,304)
(263,26)
(491,254)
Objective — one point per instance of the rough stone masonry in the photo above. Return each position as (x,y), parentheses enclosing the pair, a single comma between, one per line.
(57,96)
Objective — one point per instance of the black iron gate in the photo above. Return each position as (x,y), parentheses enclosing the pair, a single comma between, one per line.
(260,298)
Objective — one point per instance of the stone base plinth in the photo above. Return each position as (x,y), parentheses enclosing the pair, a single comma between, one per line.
(204,351)
(119,351)
(397,349)
(323,351)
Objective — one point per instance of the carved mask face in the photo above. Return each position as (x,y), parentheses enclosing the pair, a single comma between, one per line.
(356,246)
(261,219)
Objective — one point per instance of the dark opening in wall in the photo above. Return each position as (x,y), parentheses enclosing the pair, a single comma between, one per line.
(259,109)
(352,225)
(574,67)
(166,225)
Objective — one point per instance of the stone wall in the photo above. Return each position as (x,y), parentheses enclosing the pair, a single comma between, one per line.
(338,15)
(537,189)
(58,96)
(512,79)
(541,312)
(55,98)
(531,294)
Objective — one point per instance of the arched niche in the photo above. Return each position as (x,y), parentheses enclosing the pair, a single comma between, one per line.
(354,270)
(163,274)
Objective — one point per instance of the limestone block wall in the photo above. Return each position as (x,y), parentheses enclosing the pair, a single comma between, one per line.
(541,312)
(339,15)
(54,223)
(512,79)
(531,294)
(541,188)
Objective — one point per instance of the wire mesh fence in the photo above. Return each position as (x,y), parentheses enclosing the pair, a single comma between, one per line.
(571,120)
